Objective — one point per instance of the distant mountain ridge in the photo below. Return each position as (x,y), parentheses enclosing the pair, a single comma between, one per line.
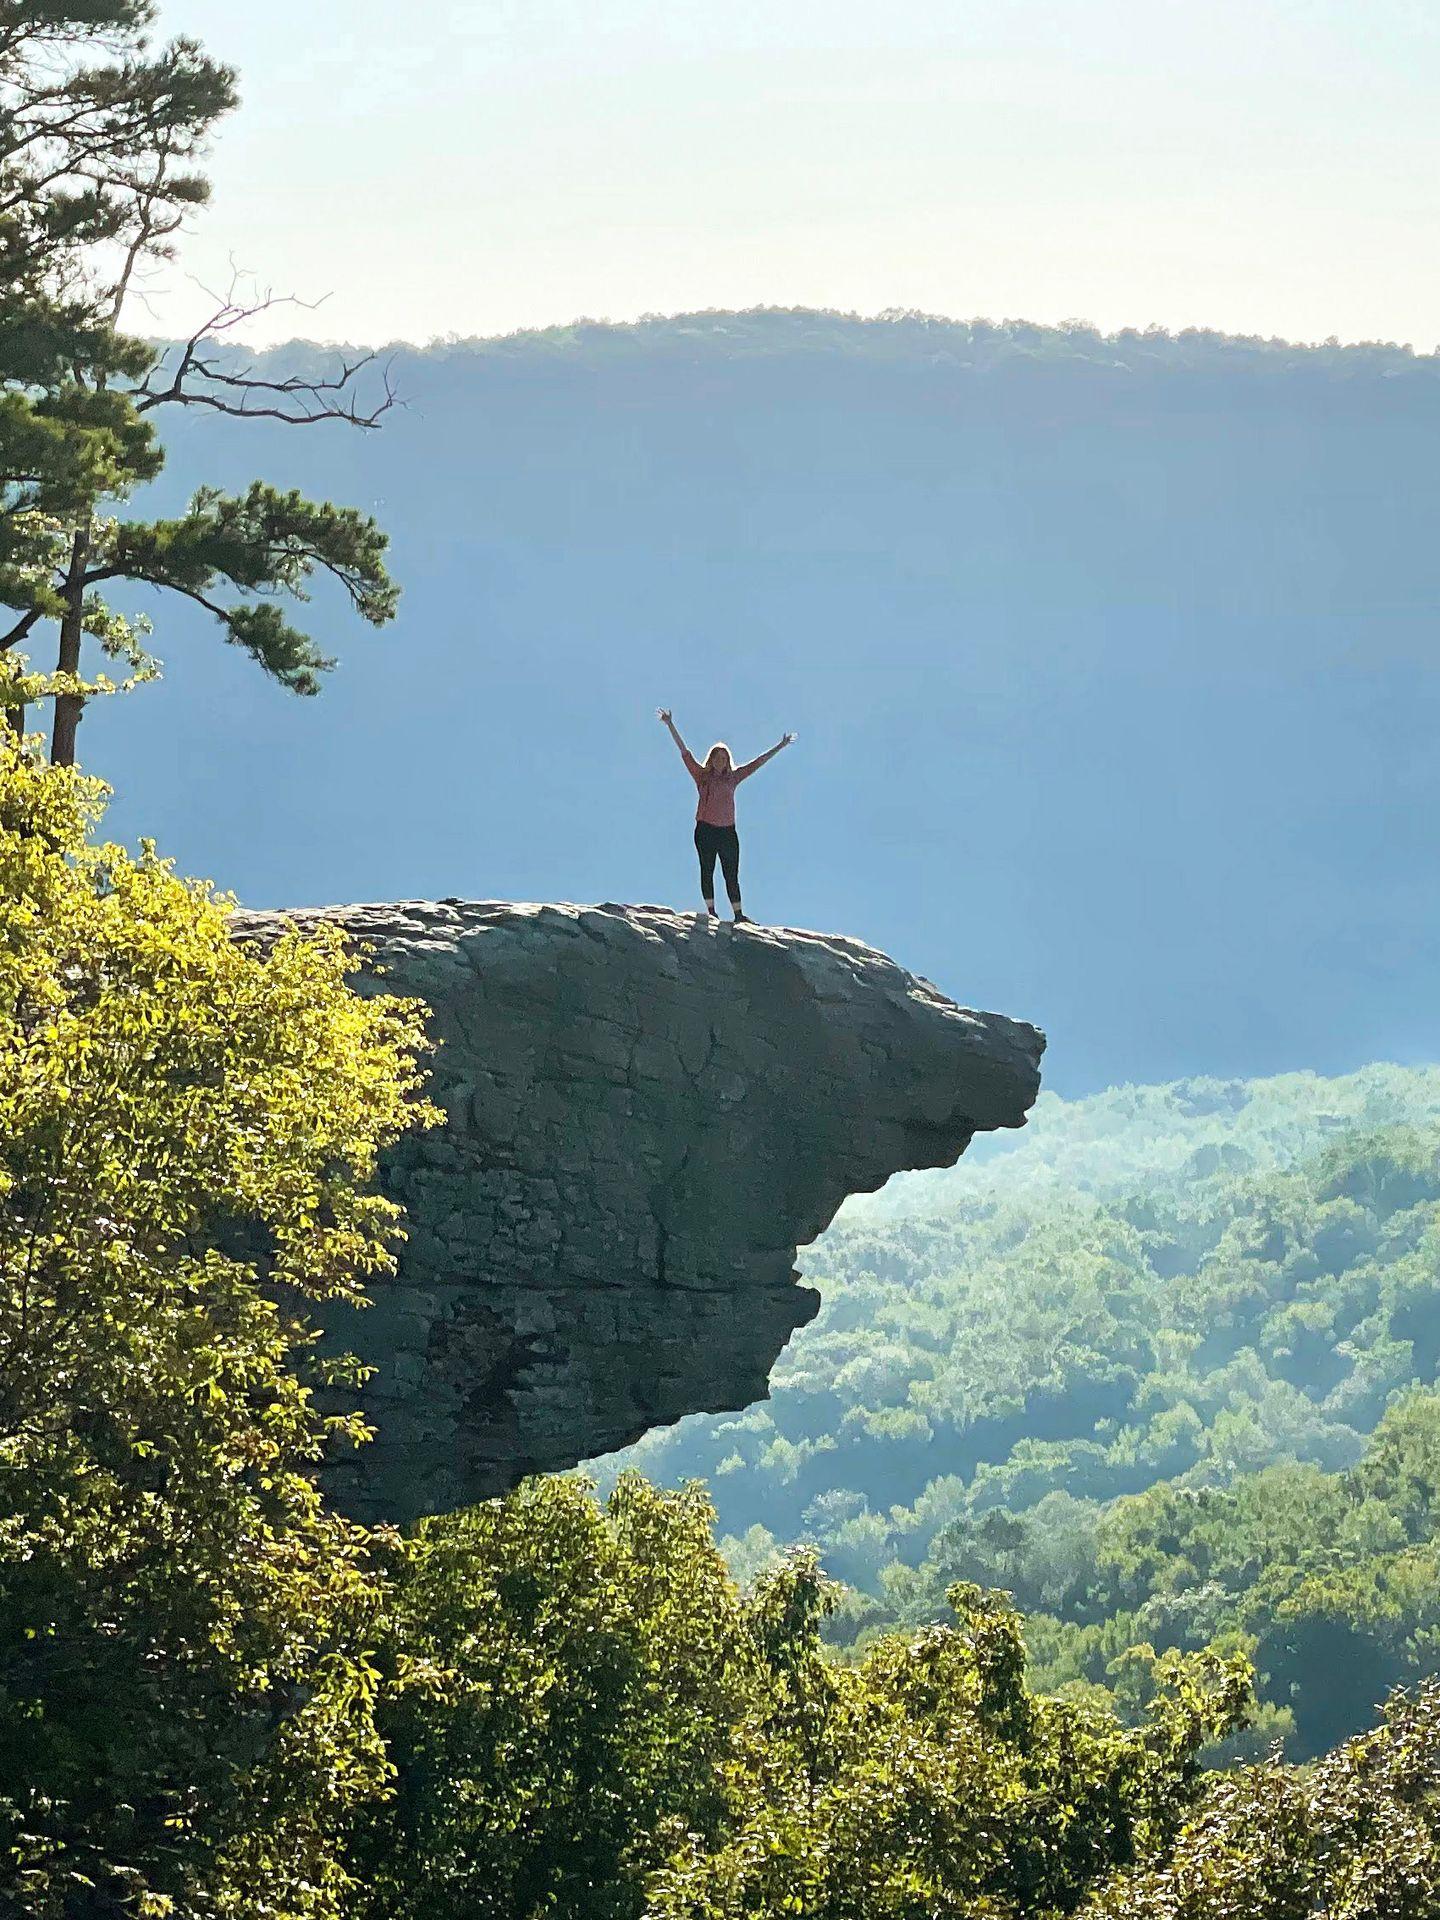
(896,335)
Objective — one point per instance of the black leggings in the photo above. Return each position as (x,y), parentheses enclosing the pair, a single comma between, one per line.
(724,842)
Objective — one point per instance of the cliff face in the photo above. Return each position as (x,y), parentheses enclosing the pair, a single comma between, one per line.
(647,1114)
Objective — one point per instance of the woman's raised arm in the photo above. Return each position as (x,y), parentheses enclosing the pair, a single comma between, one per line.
(754,766)
(663,713)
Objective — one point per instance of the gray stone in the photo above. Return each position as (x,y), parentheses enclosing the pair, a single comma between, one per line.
(642,1108)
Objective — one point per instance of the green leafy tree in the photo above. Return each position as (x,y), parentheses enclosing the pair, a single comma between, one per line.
(185,1693)
(927,1780)
(101,136)
(589,1720)
(1357,1837)
(567,1681)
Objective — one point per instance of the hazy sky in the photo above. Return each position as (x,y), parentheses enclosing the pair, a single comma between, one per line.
(1266,166)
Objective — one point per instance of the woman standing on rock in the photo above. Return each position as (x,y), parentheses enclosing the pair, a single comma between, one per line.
(715,835)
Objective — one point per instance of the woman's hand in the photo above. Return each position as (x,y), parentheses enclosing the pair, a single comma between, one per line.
(786,739)
(662,714)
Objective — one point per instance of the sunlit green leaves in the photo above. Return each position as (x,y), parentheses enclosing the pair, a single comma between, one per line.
(186,1694)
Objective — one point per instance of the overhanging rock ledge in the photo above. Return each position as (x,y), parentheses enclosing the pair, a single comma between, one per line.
(647,1115)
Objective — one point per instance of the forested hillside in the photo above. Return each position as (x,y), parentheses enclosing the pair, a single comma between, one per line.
(1130,1367)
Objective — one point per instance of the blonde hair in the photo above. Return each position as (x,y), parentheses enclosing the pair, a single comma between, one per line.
(719,747)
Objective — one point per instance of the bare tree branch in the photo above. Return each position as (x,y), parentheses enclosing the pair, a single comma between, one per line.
(198,379)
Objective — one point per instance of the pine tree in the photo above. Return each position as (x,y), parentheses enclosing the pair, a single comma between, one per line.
(101,138)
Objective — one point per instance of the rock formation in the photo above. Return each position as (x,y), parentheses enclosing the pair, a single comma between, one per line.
(647,1114)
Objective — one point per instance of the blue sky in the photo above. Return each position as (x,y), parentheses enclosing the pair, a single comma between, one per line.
(457,168)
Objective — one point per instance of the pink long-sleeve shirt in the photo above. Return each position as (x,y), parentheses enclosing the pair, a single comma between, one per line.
(715,805)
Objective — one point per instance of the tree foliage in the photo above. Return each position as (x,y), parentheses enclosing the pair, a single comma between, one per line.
(589,1718)
(186,1695)
(101,139)
(568,1682)
(1354,1838)
(1127,1371)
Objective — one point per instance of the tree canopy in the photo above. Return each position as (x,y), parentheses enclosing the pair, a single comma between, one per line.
(1135,1370)
(188,1135)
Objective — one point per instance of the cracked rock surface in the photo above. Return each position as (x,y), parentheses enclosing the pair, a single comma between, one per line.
(647,1114)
